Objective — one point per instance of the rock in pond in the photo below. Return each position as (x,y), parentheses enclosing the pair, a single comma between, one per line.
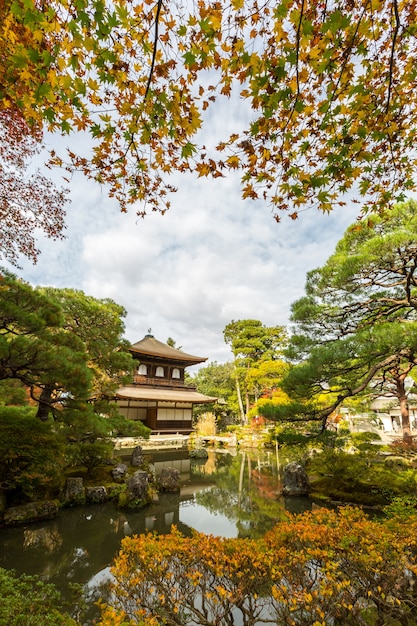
(199,453)
(169,480)
(74,491)
(96,495)
(295,482)
(137,457)
(137,489)
(32,512)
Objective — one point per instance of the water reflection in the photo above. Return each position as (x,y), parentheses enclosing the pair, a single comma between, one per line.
(226,495)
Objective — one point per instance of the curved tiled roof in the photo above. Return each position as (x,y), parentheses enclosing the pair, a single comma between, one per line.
(137,392)
(152,347)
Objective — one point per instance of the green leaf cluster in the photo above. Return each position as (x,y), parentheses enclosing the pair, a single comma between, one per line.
(27,600)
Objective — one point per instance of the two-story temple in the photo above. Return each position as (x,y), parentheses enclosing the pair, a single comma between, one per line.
(158,395)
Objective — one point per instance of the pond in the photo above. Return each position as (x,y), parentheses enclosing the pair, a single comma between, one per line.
(229,495)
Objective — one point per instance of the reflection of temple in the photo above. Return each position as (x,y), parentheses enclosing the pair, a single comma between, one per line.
(158,395)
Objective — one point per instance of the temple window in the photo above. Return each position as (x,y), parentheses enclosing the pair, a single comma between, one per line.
(176,373)
(143,370)
(159,371)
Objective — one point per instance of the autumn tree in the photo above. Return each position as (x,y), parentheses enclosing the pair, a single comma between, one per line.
(253,343)
(328,88)
(356,327)
(29,202)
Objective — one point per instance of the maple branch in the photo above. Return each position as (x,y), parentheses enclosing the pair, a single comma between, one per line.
(148,83)
(391,61)
(345,56)
(297,53)
(155,46)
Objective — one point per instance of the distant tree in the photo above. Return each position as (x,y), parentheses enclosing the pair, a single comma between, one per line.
(217,380)
(252,343)
(356,327)
(29,202)
(264,378)
(171,342)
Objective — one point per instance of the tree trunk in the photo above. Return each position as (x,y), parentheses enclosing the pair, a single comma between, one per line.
(404,409)
(44,406)
(239,398)
(247,403)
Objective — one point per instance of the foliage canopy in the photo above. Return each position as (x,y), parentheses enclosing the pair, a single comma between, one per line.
(329,89)
(65,347)
(28,600)
(356,327)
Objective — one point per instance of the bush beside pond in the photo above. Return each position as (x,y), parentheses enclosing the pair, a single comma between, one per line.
(321,567)
(359,478)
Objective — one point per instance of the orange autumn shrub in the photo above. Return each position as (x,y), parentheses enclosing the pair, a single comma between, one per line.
(322,567)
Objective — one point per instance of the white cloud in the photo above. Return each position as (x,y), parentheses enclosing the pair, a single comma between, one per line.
(210,259)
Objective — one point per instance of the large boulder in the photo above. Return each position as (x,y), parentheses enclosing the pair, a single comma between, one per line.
(169,480)
(32,512)
(119,472)
(96,495)
(137,489)
(137,457)
(74,491)
(295,481)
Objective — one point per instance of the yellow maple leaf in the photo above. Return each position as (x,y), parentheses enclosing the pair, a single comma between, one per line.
(233,162)
(203,169)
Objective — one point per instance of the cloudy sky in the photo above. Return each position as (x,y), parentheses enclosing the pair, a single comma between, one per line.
(211,259)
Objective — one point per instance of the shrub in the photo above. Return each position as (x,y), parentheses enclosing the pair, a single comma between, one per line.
(321,567)
(32,456)
(91,455)
(122,427)
(206,424)
(27,601)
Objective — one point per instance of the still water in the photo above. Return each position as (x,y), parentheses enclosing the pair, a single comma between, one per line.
(226,495)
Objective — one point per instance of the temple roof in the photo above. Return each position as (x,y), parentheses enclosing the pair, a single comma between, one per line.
(150,346)
(138,392)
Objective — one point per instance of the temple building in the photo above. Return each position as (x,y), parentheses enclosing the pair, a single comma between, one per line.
(158,395)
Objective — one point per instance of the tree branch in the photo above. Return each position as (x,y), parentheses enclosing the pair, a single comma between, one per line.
(391,62)
(155,47)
